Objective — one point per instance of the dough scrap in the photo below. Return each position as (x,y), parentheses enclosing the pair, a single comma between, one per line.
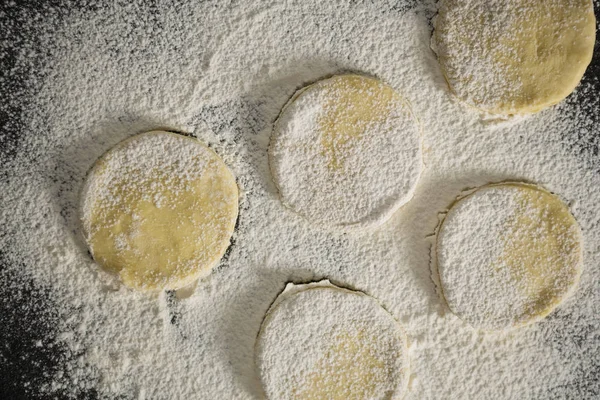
(514,56)
(507,255)
(158,210)
(319,341)
(346,152)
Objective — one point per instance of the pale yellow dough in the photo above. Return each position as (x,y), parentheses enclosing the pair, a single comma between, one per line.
(508,254)
(322,342)
(514,56)
(346,152)
(159,210)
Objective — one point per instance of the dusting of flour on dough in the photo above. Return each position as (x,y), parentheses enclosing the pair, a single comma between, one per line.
(507,255)
(319,341)
(513,56)
(158,210)
(346,152)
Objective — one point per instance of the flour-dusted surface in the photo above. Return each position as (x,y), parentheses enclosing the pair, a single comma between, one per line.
(158,210)
(346,152)
(96,75)
(319,341)
(514,56)
(507,254)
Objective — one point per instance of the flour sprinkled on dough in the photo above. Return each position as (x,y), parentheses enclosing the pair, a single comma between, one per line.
(346,152)
(514,56)
(507,255)
(319,341)
(159,210)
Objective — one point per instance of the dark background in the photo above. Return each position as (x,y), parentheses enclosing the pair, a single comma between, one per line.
(26,310)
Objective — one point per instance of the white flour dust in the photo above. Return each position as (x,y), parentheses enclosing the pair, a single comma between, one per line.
(506,254)
(354,180)
(221,71)
(354,342)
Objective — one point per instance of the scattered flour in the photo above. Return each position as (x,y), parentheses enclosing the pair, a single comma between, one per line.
(222,71)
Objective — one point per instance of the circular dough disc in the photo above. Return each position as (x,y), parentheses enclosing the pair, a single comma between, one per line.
(514,56)
(345,152)
(507,255)
(319,341)
(159,210)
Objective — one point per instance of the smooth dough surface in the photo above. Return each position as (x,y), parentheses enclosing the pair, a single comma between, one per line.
(158,210)
(346,152)
(514,56)
(319,341)
(507,255)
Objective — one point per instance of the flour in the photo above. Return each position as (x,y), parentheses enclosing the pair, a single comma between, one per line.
(346,152)
(357,350)
(159,210)
(514,56)
(223,71)
(507,255)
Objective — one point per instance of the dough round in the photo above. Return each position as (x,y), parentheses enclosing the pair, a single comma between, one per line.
(319,341)
(514,56)
(158,210)
(507,255)
(346,152)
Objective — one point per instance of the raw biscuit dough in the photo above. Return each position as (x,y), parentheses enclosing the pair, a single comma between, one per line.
(346,152)
(319,341)
(514,56)
(159,210)
(507,255)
